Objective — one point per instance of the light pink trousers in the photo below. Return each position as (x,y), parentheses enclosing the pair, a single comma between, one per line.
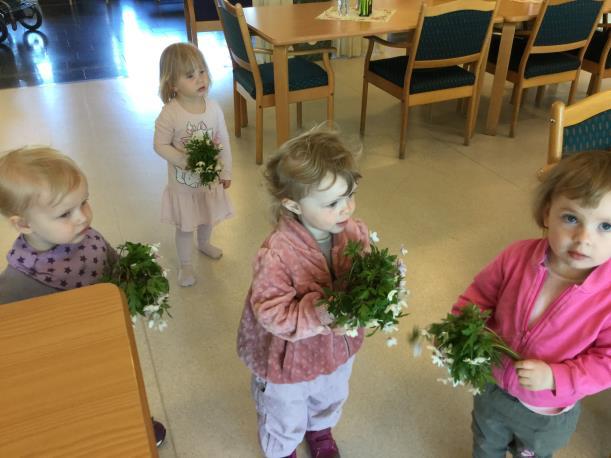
(286,411)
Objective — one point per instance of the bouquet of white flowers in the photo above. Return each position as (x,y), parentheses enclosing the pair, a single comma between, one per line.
(144,282)
(465,346)
(203,157)
(374,295)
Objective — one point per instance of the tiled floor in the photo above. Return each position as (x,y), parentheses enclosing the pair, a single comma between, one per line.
(454,207)
(85,39)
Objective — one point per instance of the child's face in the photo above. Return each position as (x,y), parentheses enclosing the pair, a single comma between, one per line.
(326,209)
(45,226)
(192,85)
(579,237)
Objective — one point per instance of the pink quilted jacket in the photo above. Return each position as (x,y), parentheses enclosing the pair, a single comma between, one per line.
(284,336)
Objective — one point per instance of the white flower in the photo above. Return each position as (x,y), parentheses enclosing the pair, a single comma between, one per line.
(389,327)
(373,236)
(474,391)
(391,294)
(154,247)
(417,349)
(391,342)
(151,324)
(218,167)
(198,135)
(151,308)
(200,163)
(477,361)
(424,333)
(372,323)
(403,250)
(402,268)
(352,332)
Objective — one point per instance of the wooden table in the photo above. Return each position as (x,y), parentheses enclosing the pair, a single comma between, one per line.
(70,379)
(285,25)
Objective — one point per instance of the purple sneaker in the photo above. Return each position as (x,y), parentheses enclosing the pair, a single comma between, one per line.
(322,444)
(160,432)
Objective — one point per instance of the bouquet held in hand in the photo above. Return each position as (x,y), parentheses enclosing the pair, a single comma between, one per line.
(144,282)
(373,294)
(203,157)
(466,347)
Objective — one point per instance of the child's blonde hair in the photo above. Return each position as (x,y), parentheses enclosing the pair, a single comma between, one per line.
(28,173)
(177,60)
(303,162)
(583,176)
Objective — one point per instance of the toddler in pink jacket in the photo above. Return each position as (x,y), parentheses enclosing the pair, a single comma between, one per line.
(301,364)
(550,300)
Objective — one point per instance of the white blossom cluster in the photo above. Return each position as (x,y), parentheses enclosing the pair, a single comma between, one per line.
(397,298)
(151,311)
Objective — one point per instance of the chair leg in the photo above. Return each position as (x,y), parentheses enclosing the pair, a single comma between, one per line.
(299,115)
(591,85)
(573,89)
(403,135)
(597,84)
(259,135)
(330,110)
(516,109)
(539,97)
(237,112)
(244,108)
(471,117)
(364,105)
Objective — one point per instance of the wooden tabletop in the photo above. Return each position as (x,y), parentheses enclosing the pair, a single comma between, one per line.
(70,379)
(288,24)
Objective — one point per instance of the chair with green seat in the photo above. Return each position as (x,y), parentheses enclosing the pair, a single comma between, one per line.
(251,80)
(552,51)
(582,126)
(597,59)
(447,37)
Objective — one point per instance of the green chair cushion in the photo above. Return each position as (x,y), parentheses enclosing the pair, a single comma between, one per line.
(538,64)
(303,74)
(591,134)
(423,80)
(595,48)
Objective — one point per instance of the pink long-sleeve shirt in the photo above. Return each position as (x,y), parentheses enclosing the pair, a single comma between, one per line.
(284,337)
(573,335)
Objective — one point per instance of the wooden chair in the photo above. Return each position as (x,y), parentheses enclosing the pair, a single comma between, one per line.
(70,377)
(597,59)
(583,126)
(201,16)
(307,80)
(447,37)
(543,55)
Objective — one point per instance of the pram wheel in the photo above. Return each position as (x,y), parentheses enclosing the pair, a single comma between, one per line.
(31,17)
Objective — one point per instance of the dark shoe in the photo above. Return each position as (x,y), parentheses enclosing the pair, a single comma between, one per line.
(322,444)
(160,431)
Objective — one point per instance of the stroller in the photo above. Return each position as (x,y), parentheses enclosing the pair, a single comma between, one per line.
(26,12)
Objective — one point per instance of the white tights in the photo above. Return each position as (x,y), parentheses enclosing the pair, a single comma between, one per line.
(184,244)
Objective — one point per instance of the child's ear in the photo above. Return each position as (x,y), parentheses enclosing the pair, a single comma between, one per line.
(20,224)
(291,206)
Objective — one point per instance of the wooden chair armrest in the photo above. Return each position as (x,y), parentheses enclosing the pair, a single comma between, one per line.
(306,52)
(263,51)
(390,44)
(523,33)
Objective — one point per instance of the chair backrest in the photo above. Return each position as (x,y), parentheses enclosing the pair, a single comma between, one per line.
(582,126)
(237,35)
(452,33)
(563,25)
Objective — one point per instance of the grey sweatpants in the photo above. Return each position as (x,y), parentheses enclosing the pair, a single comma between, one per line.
(501,422)
(286,411)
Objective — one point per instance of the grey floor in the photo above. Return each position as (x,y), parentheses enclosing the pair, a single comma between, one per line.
(454,207)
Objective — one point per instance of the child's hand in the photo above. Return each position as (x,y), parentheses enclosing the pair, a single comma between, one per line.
(225,183)
(535,375)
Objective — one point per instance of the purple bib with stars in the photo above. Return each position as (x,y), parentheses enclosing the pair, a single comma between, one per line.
(65,266)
